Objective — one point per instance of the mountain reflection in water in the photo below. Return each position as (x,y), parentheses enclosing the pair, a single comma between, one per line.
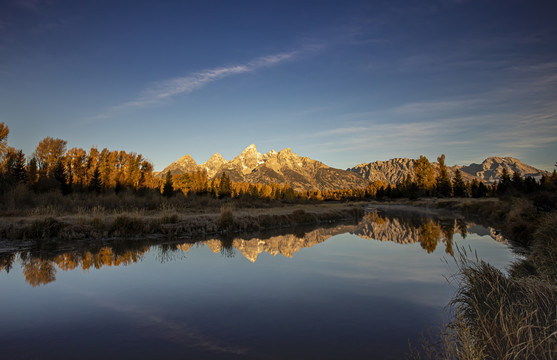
(40,267)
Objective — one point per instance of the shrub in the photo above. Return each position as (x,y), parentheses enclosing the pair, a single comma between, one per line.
(125,225)
(227,216)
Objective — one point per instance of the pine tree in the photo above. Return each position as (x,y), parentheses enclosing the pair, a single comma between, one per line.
(504,182)
(225,188)
(32,171)
(459,187)
(478,189)
(59,174)
(517,182)
(443,181)
(95,183)
(167,189)
(18,170)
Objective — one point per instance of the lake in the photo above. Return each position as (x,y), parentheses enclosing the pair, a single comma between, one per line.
(344,291)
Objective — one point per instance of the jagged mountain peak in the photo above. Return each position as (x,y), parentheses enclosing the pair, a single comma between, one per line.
(184,164)
(187,159)
(216,156)
(250,149)
(214,164)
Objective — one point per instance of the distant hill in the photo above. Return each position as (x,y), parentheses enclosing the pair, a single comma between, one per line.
(490,170)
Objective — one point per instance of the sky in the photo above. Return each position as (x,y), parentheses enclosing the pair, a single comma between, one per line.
(343,82)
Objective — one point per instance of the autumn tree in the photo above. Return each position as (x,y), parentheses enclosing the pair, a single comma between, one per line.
(48,153)
(92,163)
(443,181)
(424,175)
(76,163)
(4,131)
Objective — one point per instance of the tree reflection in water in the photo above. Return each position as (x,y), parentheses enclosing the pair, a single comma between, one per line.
(39,267)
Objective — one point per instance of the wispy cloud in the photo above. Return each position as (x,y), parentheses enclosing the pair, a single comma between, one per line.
(170,88)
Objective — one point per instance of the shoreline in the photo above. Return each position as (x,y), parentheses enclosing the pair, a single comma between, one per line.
(169,223)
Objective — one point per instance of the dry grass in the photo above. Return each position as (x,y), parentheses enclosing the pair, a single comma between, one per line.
(503,317)
(496,316)
(98,222)
(227,216)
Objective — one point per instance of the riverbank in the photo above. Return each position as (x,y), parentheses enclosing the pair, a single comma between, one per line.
(98,223)
(496,315)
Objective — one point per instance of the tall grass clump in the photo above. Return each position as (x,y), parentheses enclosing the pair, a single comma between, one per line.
(543,257)
(497,317)
(125,225)
(504,317)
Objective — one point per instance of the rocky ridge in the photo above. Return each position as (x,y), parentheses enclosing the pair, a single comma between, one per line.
(395,170)
(301,173)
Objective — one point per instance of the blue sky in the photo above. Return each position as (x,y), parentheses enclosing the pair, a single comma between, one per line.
(343,82)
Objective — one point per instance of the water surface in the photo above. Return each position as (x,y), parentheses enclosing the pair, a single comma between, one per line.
(358,291)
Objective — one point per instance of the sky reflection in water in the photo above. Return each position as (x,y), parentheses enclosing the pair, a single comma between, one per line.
(349,291)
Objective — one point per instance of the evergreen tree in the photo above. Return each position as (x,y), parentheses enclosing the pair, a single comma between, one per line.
(168,190)
(530,184)
(17,169)
(59,174)
(225,188)
(517,182)
(478,189)
(443,181)
(32,171)
(95,183)
(459,187)
(504,183)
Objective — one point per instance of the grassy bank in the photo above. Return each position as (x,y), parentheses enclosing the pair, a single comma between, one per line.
(497,315)
(168,221)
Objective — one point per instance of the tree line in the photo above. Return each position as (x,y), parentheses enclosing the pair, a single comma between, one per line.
(53,167)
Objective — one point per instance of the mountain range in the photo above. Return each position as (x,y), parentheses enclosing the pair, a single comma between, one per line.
(300,172)
(303,173)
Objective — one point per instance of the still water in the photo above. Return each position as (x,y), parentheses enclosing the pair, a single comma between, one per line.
(350,291)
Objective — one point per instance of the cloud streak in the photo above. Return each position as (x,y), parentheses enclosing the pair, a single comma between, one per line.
(170,88)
